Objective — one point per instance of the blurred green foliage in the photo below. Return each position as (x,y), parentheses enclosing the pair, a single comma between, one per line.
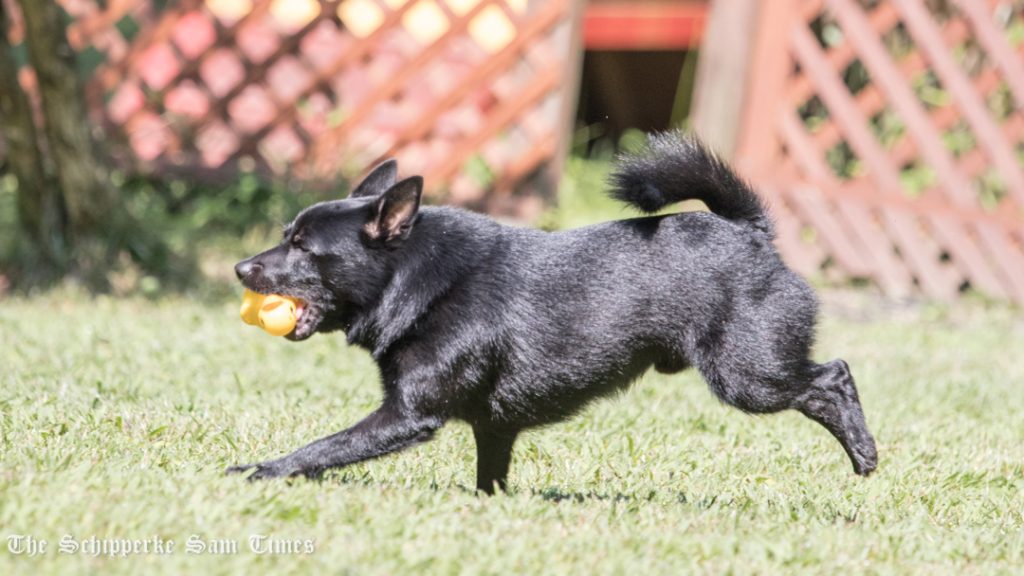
(187,210)
(197,223)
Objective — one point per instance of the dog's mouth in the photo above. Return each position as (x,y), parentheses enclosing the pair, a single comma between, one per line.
(308,317)
(309,311)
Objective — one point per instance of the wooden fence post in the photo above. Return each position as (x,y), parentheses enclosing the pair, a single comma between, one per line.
(723,73)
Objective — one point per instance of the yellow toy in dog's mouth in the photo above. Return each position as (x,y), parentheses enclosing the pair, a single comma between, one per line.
(276,314)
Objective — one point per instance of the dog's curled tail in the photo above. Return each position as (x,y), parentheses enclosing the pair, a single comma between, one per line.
(677,167)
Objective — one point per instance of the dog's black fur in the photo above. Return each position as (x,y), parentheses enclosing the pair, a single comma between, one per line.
(509,328)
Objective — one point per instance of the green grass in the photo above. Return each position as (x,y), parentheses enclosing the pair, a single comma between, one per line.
(118,417)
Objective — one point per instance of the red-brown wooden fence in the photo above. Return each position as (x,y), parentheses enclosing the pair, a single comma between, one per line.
(473,94)
(887,134)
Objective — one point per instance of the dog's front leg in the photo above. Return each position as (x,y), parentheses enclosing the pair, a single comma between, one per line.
(389,429)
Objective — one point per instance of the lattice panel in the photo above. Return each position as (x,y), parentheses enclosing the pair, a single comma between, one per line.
(470,93)
(896,150)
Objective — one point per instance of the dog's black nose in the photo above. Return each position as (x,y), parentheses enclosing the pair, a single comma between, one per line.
(244,268)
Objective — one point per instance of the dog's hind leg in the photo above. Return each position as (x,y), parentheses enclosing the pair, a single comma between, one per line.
(824,393)
(832,401)
(493,455)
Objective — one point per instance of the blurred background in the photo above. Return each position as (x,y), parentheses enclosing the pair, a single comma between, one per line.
(146,144)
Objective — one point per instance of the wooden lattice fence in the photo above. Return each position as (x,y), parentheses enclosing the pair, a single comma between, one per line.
(888,134)
(473,94)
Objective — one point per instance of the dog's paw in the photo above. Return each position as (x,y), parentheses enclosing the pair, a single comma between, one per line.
(265,470)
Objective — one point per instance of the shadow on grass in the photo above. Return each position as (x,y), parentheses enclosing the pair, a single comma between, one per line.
(553,494)
(558,495)
(700,503)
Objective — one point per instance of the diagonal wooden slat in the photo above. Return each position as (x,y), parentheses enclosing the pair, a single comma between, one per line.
(883,18)
(956,187)
(929,38)
(953,238)
(496,121)
(213,131)
(288,111)
(871,99)
(396,83)
(490,69)
(805,258)
(934,279)
(885,267)
(1012,65)
(808,201)
(942,234)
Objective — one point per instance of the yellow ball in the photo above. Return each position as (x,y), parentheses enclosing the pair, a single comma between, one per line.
(277,315)
(251,303)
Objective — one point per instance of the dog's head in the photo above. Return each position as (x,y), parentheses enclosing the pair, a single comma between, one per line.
(334,255)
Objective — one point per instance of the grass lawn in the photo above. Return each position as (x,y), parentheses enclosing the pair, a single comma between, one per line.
(117,417)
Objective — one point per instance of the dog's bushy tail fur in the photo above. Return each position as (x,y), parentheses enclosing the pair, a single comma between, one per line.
(677,167)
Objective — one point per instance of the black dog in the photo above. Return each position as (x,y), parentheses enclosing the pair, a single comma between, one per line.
(509,328)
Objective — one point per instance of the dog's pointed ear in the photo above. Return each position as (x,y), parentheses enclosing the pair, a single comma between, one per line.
(380,179)
(394,213)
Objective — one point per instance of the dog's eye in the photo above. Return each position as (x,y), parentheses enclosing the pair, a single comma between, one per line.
(297,243)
